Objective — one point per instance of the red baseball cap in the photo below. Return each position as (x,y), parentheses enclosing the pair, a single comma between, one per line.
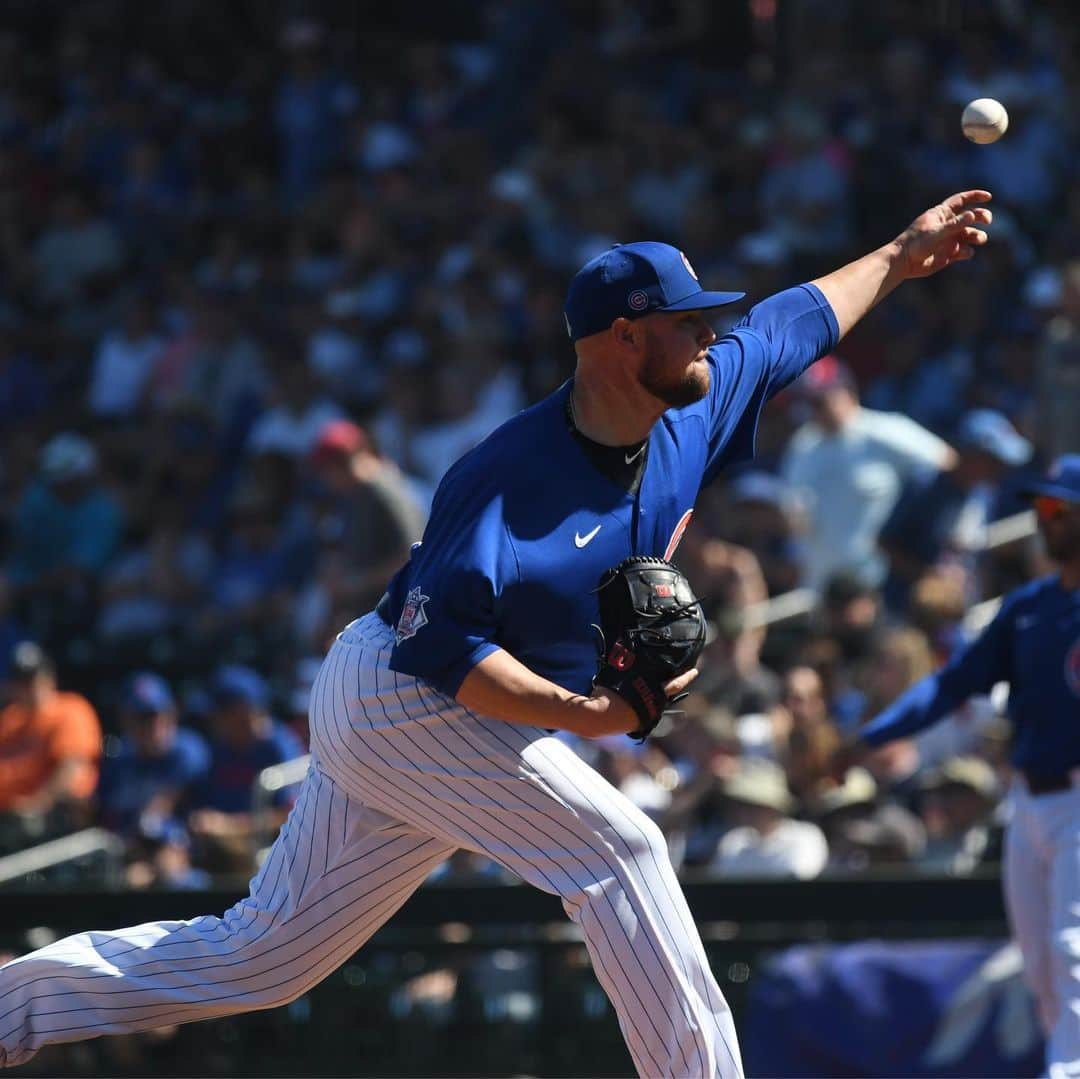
(828,373)
(340,438)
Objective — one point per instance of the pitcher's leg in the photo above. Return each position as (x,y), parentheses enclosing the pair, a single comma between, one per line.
(527,801)
(337,871)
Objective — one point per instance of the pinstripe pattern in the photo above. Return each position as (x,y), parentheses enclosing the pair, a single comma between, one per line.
(526,800)
(401,776)
(294,928)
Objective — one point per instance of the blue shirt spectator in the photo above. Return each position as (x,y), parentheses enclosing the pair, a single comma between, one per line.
(148,778)
(244,739)
(66,524)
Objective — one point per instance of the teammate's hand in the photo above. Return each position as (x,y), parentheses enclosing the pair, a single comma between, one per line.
(944,234)
(848,755)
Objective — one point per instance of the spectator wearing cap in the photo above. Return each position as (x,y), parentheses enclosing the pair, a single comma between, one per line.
(854,798)
(50,746)
(244,739)
(148,776)
(765,840)
(891,836)
(942,517)
(848,464)
(957,808)
(65,528)
(371,516)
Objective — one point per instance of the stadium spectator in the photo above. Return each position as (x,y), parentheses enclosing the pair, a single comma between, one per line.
(891,837)
(64,530)
(321,237)
(50,748)
(298,411)
(763,518)
(764,839)
(1057,370)
(257,569)
(901,657)
(811,736)
(940,520)
(849,463)
(374,516)
(148,775)
(125,362)
(956,806)
(78,251)
(244,739)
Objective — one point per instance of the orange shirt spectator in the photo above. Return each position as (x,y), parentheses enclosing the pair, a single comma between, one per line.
(50,742)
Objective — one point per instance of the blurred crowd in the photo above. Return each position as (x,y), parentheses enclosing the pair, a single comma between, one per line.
(266,276)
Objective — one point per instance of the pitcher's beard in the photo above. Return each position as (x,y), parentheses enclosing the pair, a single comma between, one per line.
(690,386)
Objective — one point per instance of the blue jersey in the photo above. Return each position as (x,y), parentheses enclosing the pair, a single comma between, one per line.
(524,524)
(1034,645)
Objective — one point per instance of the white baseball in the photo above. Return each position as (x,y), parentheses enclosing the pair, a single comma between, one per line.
(984,120)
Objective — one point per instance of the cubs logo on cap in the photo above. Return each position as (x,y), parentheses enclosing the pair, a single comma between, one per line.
(632,280)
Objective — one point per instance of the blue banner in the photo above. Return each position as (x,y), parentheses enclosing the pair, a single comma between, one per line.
(892,1009)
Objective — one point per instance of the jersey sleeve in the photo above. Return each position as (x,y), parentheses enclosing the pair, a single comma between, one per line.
(975,669)
(768,349)
(449,618)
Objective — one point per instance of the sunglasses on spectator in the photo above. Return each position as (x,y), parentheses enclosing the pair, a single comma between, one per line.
(1048,508)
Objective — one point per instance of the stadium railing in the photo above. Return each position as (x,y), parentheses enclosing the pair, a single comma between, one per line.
(40,860)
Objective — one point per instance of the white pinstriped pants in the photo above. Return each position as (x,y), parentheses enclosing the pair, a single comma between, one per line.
(401,776)
(1041,876)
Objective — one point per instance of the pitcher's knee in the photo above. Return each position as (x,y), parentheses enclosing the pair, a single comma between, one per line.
(639,835)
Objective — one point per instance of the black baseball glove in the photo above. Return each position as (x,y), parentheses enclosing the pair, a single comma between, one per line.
(651,629)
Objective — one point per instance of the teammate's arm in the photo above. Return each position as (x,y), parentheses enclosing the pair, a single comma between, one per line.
(503,687)
(975,669)
(944,234)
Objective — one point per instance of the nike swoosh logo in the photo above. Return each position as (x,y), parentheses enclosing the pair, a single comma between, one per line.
(630,458)
(581,541)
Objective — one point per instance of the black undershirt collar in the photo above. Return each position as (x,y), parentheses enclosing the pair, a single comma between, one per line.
(624,465)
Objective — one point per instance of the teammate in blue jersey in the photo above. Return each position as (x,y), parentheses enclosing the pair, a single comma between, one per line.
(1033,643)
(431,717)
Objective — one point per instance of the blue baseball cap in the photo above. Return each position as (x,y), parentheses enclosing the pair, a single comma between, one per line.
(147,694)
(632,280)
(1062,480)
(239,685)
(990,431)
